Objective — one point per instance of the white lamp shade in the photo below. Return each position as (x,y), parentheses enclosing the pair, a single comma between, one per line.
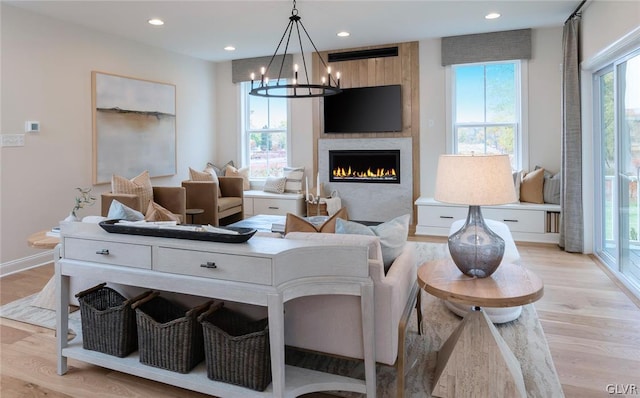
(475,180)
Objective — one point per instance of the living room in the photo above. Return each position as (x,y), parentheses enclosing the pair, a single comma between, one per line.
(46,75)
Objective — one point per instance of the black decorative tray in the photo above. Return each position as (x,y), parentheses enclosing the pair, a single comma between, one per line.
(244,234)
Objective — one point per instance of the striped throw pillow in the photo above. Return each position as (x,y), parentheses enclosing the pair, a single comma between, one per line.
(139,185)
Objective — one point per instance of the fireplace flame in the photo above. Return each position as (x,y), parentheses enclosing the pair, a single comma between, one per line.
(342,173)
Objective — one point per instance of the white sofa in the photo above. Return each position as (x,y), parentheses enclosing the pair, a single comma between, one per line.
(511,255)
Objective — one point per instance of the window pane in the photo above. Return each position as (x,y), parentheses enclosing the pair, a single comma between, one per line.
(607,129)
(469,92)
(470,140)
(258,108)
(501,93)
(268,154)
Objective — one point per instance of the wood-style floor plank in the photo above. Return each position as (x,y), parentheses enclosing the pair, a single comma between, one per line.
(591,323)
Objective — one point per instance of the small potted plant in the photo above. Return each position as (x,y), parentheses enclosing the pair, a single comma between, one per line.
(85,199)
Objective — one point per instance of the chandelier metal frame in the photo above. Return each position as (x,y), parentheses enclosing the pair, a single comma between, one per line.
(295,89)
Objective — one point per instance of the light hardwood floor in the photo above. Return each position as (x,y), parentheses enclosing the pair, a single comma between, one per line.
(592,326)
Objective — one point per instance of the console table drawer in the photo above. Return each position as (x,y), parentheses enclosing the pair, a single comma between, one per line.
(129,255)
(441,216)
(214,265)
(518,220)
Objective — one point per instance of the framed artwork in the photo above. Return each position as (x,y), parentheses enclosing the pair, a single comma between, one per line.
(134,127)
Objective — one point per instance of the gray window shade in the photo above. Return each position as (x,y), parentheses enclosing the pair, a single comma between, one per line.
(486,47)
(242,68)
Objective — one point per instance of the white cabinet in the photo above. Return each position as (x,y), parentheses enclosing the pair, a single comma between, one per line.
(263,271)
(527,222)
(259,202)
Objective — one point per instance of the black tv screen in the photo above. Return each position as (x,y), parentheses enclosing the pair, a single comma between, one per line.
(364,110)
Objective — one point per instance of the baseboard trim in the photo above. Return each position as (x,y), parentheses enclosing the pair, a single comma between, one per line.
(21,264)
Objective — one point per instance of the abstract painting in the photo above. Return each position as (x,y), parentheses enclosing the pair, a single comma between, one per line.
(134,127)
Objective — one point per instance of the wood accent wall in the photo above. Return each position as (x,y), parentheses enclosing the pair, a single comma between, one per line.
(402,69)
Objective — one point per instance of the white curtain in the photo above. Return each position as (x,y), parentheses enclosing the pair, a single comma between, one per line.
(572,218)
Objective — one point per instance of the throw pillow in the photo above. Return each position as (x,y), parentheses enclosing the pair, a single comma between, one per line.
(551,189)
(118,211)
(517,181)
(195,175)
(275,184)
(155,212)
(139,185)
(299,224)
(218,170)
(393,235)
(531,187)
(294,179)
(243,172)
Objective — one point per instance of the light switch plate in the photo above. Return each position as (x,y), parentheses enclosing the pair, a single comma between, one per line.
(12,140)
(31,127)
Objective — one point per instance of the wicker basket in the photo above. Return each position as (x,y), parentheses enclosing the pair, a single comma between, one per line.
(236,348)
(108,321)
(169,337)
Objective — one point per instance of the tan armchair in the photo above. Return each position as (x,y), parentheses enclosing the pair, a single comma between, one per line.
(173,199)
(228,207)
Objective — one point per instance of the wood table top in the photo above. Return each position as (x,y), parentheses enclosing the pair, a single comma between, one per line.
(510,286)
(40,240)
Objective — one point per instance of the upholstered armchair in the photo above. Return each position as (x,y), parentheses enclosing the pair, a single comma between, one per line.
(222,209)
(171,198)
(332,323)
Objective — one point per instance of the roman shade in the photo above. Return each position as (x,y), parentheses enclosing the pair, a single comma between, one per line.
(486,47)
(241,69)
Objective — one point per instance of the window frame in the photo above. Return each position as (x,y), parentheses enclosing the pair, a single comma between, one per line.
(245,133)
(521,145)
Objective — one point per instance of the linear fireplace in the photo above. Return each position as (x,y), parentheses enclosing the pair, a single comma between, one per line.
(370,166)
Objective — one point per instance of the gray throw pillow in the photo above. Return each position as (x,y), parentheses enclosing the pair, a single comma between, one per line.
(551,189)
(118,211)
(393,235)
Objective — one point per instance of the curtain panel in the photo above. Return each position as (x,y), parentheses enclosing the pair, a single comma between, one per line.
(572,217)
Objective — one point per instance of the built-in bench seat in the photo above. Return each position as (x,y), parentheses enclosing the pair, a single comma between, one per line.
(261,202)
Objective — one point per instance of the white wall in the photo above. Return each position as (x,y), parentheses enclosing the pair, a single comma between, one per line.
(46,76)
(604,22)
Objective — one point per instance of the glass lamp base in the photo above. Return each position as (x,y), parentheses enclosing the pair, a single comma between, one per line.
(475,249)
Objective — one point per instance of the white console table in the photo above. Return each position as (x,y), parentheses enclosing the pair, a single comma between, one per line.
(528,222)
(263,271)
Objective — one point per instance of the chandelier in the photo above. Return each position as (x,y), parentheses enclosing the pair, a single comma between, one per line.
(327,86)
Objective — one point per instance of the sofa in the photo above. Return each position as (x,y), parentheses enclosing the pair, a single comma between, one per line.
(332,324)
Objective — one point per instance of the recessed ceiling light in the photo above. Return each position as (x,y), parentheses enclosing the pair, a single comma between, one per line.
(492,15)
(156,22)
(230,48)
(343,34)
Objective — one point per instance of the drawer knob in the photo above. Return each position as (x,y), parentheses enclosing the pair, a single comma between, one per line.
(104,252)
(510,220)
(209,264)
(446,217)
(274,207)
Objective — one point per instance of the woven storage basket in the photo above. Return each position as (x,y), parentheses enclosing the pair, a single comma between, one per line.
(169,337)
(236,348)
(108,321)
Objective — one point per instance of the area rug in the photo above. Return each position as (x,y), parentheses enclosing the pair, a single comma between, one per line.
(524,336)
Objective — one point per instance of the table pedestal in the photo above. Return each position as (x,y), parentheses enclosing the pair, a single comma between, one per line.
(476,362)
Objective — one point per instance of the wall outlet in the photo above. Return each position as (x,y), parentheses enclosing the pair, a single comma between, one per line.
(12,140)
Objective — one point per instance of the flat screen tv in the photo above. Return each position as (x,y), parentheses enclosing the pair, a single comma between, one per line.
(364,110)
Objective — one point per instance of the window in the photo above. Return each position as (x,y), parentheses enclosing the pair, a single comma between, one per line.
(265,134)
(616,124)
(486,109)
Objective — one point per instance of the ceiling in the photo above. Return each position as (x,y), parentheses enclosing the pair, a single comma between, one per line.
(203,28)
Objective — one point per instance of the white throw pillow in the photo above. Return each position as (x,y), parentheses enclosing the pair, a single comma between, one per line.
(294,179)
(275,184)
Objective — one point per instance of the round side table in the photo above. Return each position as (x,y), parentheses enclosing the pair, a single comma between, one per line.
(475,360)
(193,212)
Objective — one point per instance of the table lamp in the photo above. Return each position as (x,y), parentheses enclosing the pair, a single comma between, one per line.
(475,180)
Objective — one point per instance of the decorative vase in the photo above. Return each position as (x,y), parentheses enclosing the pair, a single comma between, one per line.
(71,218)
